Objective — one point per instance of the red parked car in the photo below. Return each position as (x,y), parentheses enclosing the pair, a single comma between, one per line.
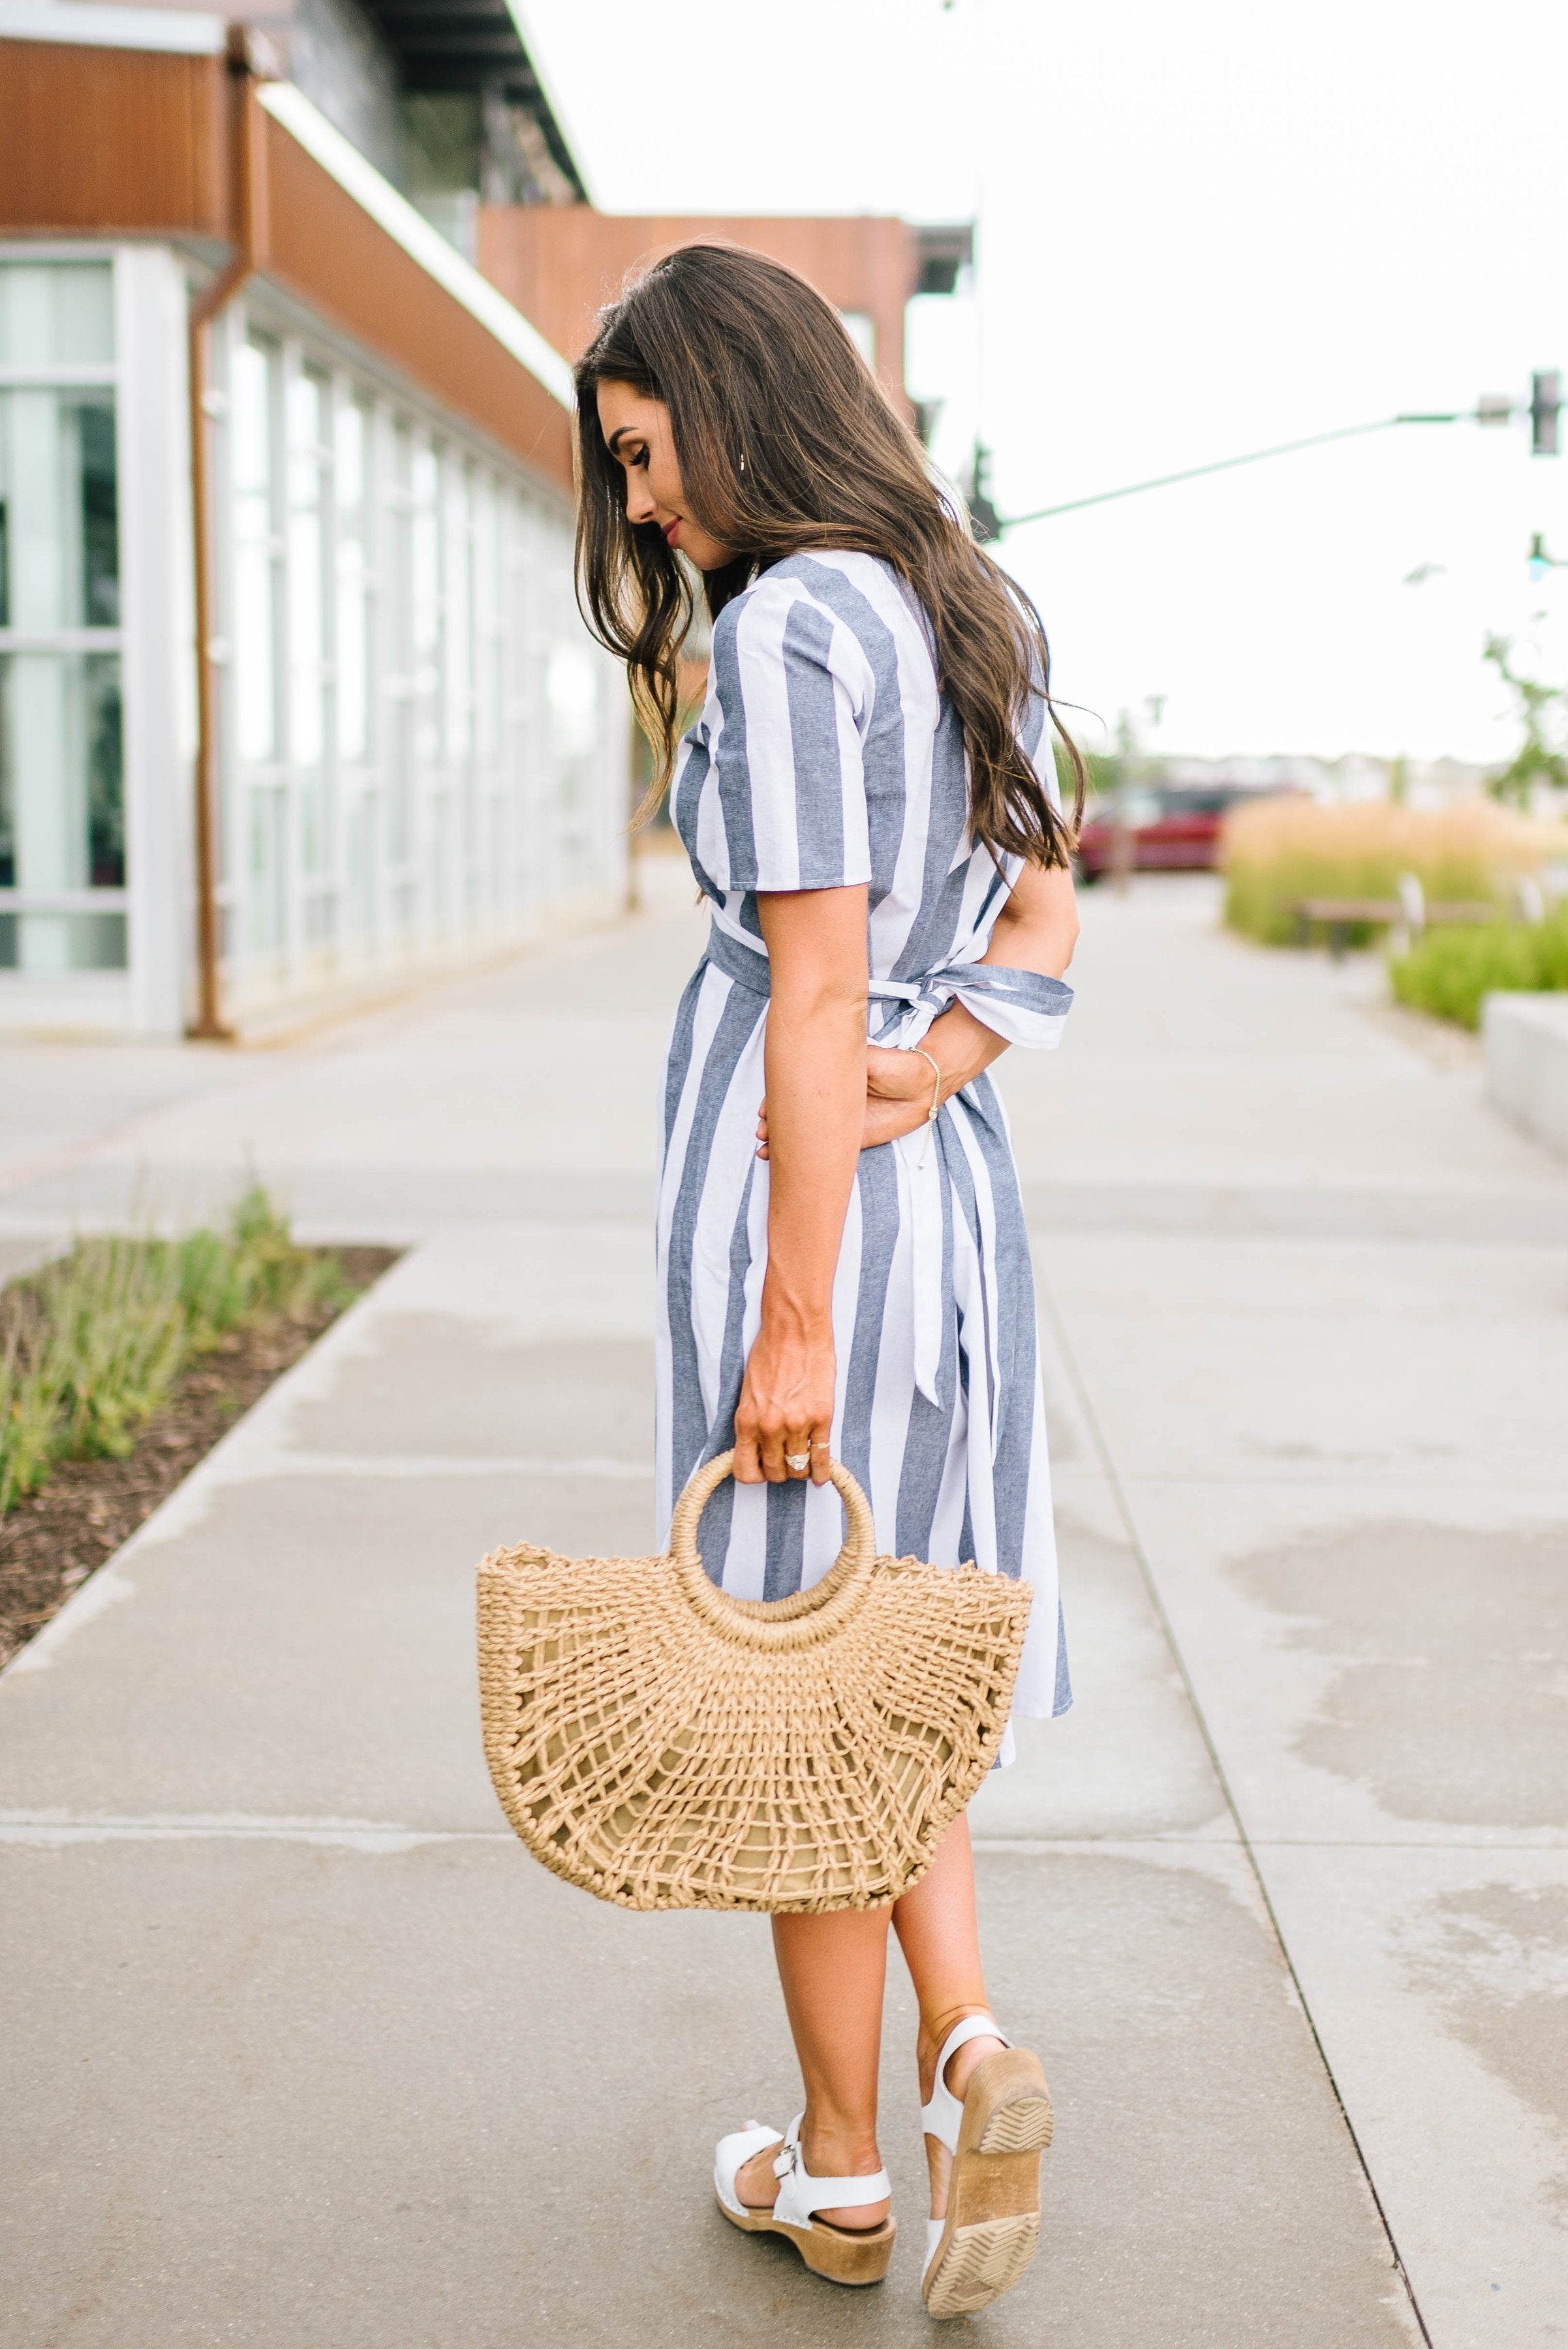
(1169,827)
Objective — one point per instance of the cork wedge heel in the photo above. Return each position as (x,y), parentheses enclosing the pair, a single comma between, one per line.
(996,2136)
(840,2254)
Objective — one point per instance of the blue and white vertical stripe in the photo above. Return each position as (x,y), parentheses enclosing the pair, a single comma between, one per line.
(824,757)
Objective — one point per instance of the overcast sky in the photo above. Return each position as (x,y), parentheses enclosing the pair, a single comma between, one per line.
(1202,230)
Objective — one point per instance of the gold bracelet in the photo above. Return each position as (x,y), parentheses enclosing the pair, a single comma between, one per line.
(935,1110)
(937,1088)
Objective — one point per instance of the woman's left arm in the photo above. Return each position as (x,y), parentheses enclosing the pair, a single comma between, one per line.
(1036,929)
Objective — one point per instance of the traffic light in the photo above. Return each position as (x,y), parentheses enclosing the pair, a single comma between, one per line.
(1545,407)
(984,520)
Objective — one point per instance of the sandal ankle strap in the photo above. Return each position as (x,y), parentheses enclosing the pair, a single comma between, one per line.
(942,2117)
(800,2194)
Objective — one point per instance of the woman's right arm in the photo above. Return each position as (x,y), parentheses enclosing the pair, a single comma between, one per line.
(815,1063)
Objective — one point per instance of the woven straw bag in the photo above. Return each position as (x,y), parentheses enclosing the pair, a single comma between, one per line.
(666,1746)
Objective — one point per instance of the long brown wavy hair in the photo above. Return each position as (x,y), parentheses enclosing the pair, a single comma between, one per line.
(786,442)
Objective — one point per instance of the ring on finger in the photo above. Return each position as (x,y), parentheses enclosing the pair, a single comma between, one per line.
(797,1462)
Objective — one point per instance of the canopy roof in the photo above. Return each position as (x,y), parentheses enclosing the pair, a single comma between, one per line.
(470,45)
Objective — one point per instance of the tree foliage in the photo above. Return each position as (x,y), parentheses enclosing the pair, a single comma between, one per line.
(1542,712)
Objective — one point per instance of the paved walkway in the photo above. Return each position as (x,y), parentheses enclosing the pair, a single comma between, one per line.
(299,2050)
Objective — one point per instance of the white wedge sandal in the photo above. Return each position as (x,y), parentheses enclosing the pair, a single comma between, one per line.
(842,2256)
(996,2136)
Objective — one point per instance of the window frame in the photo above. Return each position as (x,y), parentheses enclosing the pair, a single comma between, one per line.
(70,376)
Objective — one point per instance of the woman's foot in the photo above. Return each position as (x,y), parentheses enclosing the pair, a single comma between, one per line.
(987,2120)
(840,2233)
(826,2157)
(961,2066)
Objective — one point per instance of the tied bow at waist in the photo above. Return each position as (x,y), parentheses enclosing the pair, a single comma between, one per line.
(1022,1005)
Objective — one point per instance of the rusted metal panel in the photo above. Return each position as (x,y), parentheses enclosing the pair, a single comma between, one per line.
(557,263)
(334,257)
(106,140)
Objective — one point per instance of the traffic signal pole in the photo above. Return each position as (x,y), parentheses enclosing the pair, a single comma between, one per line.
(1544,410)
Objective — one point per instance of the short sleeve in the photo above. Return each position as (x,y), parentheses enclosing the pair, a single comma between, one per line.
(794,689)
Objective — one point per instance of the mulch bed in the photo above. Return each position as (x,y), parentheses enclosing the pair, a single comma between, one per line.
(85,1508)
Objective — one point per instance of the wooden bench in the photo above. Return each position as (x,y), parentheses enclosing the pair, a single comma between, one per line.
(1412,913)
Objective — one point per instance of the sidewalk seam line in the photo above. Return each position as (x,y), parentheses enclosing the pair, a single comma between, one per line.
(1146,1571)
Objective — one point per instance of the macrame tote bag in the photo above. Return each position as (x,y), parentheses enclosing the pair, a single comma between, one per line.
(666,1746)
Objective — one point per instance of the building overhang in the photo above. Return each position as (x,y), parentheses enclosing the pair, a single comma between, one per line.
(461,46)
(139,142)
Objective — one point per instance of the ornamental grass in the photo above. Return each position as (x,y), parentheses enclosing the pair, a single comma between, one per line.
(90,1346)
(1281,850)
(1449,972)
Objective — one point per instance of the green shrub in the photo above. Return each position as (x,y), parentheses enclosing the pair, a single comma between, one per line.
(29,1402)
(1450,971)
(90,1346)
(252,1271)
(1280,850)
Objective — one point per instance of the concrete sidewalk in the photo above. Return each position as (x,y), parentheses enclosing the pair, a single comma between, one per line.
(301,2049)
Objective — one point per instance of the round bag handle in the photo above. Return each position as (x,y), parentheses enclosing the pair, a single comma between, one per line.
(798,1621)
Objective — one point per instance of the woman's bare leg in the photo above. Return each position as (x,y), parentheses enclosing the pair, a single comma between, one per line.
(939,1932)
(832,1970)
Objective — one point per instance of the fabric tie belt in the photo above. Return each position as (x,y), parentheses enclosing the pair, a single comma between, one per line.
(1022,1005)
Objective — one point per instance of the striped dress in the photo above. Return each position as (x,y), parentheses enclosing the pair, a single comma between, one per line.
(826,756)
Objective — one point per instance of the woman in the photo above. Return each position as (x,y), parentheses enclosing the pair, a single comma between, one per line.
(844,1269)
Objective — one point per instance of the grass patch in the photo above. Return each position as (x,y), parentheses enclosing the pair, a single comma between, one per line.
(1449,972)
(91,1346)
(1282,850)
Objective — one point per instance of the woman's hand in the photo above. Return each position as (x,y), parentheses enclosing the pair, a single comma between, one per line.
(786,1409)
(900,1084)
(1036,929)
(899,1087)
(898,1098)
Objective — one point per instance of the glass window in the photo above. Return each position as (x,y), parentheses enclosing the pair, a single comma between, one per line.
(62,825)
(459,628)
(416,726)
(306,619)
(60,534)
(267,894)
(62,822)
(487,624)
(362,860)
(352,452)
(572,692)
(861,329)
(56,314)
(250,382)
(399,715)
(426,596)
(38,942)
